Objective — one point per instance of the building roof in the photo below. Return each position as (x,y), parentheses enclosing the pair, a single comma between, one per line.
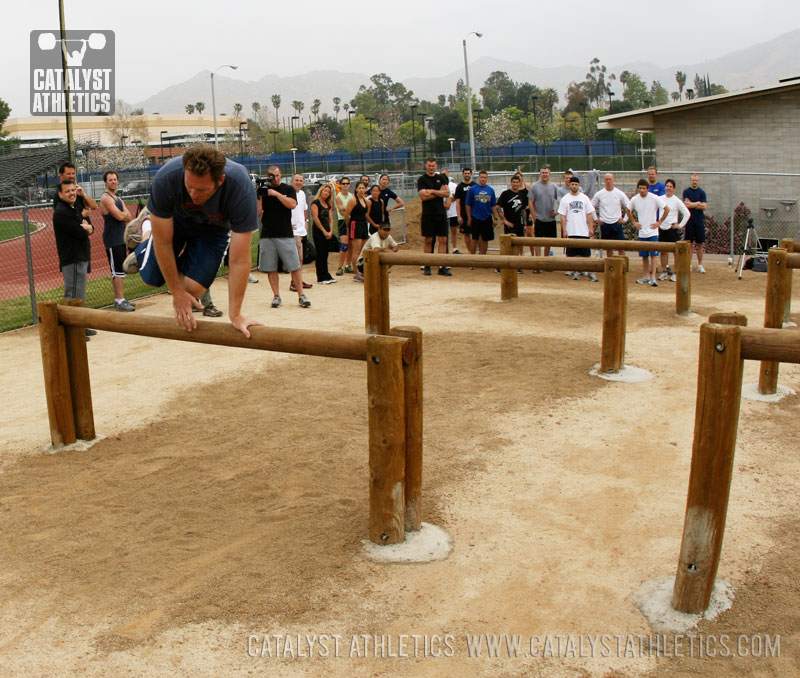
(645,118)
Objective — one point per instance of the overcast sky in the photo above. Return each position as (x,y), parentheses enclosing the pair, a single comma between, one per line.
(163,42)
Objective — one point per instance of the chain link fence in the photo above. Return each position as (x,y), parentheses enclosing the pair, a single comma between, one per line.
(29,270)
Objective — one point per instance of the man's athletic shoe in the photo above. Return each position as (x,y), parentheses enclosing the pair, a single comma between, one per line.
(497,270)
(576,275)
(212,311)
(700,268)
(443,270)
(340,271)
(669,271)
(329,281)
(673,278)
(664,276)
(455,251)
(125,306)
(643,281)
(252,279)
(653,282)
(90,332)
(130,265)
(348,269)
(426,270)
(303,301)
(592,277)
(276,301)
(358,278)
(568,272)
(133,230)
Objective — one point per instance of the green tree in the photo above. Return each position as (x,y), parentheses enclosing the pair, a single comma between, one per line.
(190,109)
(256,108)
(315,106)
(5,111)
(658,94)
(577,96)
(680,78)
(635,89)
(298,106)
(199,107)
(237,110)
(597,85)
(498,91)
(336,108)
(448,123)
(499,130)
(276,104)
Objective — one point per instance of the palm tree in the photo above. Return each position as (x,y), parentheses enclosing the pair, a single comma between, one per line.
(237,110)
(336,109)
(298,106)
(190,108)
(256,108)
(680,78)
(276,104)
(199,106)
(315,108)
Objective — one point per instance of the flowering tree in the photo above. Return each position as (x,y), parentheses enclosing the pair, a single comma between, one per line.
(499,130)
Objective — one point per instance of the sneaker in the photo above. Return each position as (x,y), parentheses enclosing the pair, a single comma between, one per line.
(252,279)
(538,271)
(673,278)
(125,306)
(576,275)
(132,235)
(307,286)
(520,271)
(212,311)
(292,288)
(445,271)
(329,281)
(427,270)
(568,272)
(472,268)
(276,301)
(643,281)
(303,301)
(592,277)
(90,332)
(130,265)
(700,268)
(455,251)
(358,278)
(340,271)
(497,270)
(669,271)
(653,282)
(663,276)
(348,269)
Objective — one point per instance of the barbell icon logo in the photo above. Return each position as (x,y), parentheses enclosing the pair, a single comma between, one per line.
(48,41)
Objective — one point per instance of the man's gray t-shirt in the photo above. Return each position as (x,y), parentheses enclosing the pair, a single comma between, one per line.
(544,200)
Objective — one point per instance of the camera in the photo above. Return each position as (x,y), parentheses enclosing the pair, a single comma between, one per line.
(264,181)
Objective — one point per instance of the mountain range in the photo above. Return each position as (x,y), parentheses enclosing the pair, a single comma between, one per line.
(760,64)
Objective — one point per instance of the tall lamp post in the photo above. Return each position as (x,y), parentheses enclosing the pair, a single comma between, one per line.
(163,132)
(213,100)
(613,131)
(274,134)
(422,116)
(413,135)
(452,157)
(534,99)
(242,128)
(369,134)
(122,142)
(469,99)
(294,160)
(294,117)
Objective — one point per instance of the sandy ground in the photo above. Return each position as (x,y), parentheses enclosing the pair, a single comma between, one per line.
(228,500)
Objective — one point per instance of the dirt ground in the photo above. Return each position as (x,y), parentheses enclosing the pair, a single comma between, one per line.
(227,502)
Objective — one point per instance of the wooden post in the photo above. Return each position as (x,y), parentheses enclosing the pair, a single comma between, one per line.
(387,439)
(683,265)
(509,285)
(80,386)
(773,315)
(376,293)
(788,245)
(56,375)
(719,390)
(412,380)
(615,303)
(728,319)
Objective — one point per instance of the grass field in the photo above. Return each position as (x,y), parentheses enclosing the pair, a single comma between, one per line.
(13,229)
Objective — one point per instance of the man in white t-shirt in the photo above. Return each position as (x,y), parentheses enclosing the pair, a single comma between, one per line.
(647,206)
(451,206)
(300,222)
(612,205)
(577,221)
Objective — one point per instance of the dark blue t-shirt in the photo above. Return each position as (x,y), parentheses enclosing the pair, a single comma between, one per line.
(481,200)
(386,195)
(695,195)
(232,207)
(657,188)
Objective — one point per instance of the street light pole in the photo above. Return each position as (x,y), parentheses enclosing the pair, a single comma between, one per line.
(274,134)
(294,160)
(469,99)
(163,132)
(242,127)
(452,158)
(424,151)
(294,117)
(413,135)
(214,102)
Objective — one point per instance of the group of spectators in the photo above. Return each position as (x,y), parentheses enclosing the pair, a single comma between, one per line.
(545,210)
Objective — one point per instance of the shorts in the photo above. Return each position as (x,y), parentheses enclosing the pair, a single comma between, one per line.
(482,229)
(198,254)
(545,229)
(669,235)
(343,230)
(464,228)
(116,255)
(453,222)
(516,229)
(611,231)
(271,249)
(644,255)
(434,226)
(359,230)
(695,233)
(579,251)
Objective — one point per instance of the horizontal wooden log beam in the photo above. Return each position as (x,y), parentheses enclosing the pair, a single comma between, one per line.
(781,346)
(627,245)
(493,261)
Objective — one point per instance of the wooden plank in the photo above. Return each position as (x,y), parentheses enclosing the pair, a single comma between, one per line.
(56,375)
(80,385)
(595,244)
(683,267)
(773,315)
(509,288)
(612,355)
(493,261)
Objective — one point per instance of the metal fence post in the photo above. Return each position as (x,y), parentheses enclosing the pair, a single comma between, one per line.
(29,261)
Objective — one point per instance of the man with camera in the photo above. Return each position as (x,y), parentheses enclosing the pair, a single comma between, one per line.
(199,203)
(275,204)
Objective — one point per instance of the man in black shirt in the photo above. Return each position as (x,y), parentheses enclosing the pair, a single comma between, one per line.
(275,204)
(512,208)
(461,207)
(72,233)
(83,201)
(432,189)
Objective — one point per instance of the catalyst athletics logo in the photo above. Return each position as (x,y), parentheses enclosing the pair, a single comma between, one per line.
(90,72)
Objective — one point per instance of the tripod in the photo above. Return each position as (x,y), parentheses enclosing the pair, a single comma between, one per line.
(750,245)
